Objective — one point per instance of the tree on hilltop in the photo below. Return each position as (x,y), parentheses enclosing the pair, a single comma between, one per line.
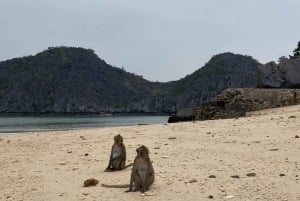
(296,52)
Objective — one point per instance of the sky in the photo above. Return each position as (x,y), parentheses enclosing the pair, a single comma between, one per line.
(162,40)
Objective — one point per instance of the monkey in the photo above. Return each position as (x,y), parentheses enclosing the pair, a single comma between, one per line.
(142,174)
(118,155)
(90,182)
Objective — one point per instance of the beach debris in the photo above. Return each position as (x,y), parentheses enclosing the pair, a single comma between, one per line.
(69,151)
(146,194)
(165,156)
(82,137)
(275,149)
(235,176)
(252,174)
(281,175)
(172,138)
(193,181)
(208,133)
(229,196)
(297,136)
(292,117)
(90,182)
(210,197)
(85,194)
(86,154)
(212,176)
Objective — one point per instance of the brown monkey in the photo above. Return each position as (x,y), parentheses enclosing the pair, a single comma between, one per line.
(142,175)
(118,155)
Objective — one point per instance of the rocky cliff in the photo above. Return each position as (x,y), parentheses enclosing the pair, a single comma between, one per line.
(286,74)
(223,71)
(76,80)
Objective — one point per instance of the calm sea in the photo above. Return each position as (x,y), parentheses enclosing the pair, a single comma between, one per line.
(25,123)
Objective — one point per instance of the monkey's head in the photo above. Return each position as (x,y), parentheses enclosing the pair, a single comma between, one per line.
(142,151)
(118,139)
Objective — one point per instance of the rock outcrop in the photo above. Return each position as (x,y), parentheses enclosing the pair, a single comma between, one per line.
(236,102)
(286,74)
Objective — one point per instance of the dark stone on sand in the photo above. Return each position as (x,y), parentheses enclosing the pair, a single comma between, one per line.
(274,149)
(180,118)
(193,181)
(297,136)
(252,174)
(235,176)
(211,197)
(282,175)
(212,176)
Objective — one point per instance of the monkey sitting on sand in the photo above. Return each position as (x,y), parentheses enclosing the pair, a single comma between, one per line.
(118,155)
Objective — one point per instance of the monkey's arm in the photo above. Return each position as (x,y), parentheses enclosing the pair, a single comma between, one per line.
(145,183)
(110,159)
(133,173)
(149,173)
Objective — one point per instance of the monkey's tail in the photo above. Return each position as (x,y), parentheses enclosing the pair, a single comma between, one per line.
(131,164)
(115,186)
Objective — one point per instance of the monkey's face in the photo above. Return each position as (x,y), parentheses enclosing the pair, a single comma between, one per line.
(142,151)
(118,139)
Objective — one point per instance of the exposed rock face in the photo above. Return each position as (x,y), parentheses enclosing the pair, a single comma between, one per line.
(236,102)
(76,80)
(223,71)
(286,74)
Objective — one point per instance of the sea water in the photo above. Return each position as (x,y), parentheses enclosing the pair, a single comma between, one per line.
(30,123)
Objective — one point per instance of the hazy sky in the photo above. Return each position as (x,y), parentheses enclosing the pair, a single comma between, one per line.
(160,39)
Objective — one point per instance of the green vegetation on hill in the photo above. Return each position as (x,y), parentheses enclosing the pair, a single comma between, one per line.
(296,52)
(76,80)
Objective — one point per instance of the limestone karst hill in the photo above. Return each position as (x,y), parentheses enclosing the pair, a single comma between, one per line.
(76,80)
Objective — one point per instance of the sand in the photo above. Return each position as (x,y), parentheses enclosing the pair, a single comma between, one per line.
(192,161)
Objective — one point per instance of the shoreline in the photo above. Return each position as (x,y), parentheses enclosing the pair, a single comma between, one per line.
(191,160)
(19,124)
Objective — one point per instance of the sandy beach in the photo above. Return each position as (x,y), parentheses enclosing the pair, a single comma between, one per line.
(203,160)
